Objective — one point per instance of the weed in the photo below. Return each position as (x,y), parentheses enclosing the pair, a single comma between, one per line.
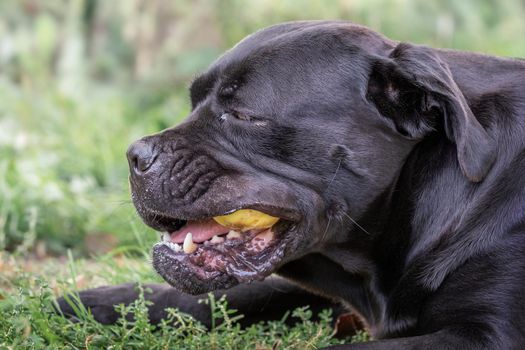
(30,321)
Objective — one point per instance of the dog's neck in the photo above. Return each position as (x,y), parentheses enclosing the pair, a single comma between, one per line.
(428,222)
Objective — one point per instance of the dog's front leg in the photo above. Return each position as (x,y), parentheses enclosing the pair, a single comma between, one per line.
(259,301)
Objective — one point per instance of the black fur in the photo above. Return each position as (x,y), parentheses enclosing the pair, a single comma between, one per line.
(403,165)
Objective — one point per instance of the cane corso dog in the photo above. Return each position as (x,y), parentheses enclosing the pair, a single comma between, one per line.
(397,172)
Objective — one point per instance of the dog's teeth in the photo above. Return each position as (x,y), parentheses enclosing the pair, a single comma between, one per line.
(233,234)
(166,237)
(174,246)
(188,246)
(216,240)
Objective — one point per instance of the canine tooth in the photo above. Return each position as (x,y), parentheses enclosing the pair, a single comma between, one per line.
(188,246)
(216,240)
(166,237)
(233,234)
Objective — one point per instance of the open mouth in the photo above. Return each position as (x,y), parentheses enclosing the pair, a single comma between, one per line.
(219,252)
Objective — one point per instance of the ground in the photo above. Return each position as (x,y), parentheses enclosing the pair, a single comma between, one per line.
(28,287)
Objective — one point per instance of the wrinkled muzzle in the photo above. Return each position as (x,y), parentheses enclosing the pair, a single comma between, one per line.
(220,225)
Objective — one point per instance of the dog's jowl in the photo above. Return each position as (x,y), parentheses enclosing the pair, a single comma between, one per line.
(381,177)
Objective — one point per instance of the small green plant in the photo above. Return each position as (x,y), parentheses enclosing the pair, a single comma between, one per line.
(30,319)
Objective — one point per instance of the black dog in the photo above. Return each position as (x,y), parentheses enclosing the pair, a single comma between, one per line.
(398,172)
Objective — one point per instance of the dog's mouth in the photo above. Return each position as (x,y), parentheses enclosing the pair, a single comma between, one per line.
(219,252)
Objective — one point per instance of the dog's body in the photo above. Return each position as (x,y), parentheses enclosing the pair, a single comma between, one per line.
(400,167)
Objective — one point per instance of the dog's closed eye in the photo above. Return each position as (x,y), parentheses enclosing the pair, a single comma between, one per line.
(241,117)
(232,114)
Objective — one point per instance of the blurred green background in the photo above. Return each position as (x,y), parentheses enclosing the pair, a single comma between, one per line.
(81,79)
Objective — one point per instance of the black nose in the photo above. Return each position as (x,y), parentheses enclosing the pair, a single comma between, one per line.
(141,157)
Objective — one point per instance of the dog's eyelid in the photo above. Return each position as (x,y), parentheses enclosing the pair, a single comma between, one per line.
(228,91)
(241,116)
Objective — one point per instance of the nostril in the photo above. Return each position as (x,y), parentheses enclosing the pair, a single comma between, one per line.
(135,163)
(141,156)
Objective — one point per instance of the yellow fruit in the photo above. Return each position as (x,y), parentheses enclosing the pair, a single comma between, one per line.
(246,219)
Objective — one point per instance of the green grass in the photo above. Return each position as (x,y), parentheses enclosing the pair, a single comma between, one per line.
(63,171)
(29,322)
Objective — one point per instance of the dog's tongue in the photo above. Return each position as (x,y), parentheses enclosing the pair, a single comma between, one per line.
(201,231)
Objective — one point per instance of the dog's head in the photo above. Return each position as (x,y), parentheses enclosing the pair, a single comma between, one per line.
(309,122)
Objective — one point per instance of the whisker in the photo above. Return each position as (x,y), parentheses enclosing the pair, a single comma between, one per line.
(155,216)
(335,174)
(122,202)
(327,187)
(272,282)
(326,229)
(355,222)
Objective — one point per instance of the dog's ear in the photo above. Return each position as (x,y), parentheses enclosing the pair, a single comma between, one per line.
(415,89)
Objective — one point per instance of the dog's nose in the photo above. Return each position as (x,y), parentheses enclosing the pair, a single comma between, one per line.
(141,157)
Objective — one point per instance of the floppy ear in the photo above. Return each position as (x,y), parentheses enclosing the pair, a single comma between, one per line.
(415,89)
